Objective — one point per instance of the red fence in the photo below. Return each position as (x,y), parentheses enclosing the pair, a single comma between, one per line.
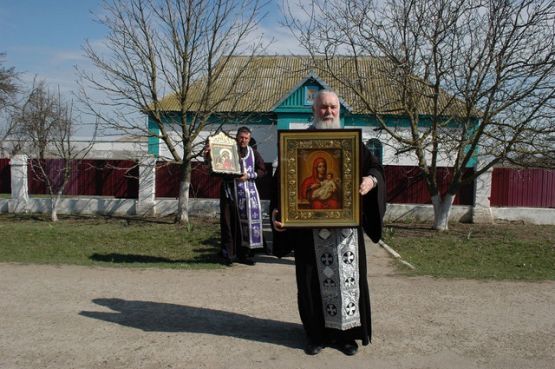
(523,188)
(5,176)
(405,184)
(203,185)
(117,178)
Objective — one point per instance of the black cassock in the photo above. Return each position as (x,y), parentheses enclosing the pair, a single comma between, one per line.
(300,240)
(230,227)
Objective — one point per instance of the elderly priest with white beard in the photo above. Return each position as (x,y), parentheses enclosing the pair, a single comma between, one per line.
(344,322)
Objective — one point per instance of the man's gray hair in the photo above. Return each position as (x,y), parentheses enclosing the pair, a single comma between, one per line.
(321,92)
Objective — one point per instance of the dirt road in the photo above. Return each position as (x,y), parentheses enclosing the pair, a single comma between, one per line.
(246,317)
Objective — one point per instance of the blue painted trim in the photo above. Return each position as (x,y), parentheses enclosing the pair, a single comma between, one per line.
(298,101)
(153,141)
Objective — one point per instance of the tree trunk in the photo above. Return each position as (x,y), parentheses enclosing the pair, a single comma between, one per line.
(54,207)
(442,208)
(182,214)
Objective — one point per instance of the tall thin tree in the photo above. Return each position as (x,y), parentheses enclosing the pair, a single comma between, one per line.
(163,58)
(474,78)
(9,89)
(46,124)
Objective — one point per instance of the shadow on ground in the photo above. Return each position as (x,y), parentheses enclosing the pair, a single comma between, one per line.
(269,259)
(162,317)
(119,258)
(209,254)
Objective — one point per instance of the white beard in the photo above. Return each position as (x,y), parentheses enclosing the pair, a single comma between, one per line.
(326,123)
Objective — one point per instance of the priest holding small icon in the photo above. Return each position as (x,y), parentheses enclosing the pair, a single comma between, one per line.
(240,206)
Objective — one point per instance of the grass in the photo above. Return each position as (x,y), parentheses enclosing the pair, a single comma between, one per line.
(109,242)
(501,251)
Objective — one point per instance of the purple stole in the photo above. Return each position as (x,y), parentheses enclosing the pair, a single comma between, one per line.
(248,201)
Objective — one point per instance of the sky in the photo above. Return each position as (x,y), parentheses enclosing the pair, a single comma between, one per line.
(45,38)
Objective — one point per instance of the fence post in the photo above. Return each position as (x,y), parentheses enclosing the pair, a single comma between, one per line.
(146,204)
(481,211)
(20,185)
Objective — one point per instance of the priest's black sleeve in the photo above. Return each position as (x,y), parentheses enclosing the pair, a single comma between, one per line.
(374,202)
(283,242)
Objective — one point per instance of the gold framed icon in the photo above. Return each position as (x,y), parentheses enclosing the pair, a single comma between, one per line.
(319,177)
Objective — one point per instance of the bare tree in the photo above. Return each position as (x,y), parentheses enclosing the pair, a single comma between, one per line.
(9,88)
(38,117)
(163,58)
(46,124)
(474,78)
(8,83)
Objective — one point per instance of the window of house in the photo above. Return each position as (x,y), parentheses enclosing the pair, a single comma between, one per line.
(376,148)
(297,125)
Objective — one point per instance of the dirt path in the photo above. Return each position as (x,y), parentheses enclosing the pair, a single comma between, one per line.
(246,317)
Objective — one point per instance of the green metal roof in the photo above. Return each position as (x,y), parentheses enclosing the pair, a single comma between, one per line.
(266,81)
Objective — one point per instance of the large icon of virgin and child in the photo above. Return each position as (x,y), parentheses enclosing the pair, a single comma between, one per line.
(320,179)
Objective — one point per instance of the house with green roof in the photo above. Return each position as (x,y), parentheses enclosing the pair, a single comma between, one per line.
(275,93)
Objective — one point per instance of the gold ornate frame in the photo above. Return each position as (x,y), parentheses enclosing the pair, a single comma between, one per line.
(224,158)
(300,152)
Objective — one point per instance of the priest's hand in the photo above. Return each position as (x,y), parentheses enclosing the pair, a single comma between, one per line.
(206,152)
(276,224)
(368,183)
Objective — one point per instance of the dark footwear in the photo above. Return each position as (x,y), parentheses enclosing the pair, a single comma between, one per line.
(227,261)
(313,348)
(247,261)
(349,348)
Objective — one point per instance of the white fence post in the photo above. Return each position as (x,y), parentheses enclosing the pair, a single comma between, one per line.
(481,211)
(20,185)
(146,204)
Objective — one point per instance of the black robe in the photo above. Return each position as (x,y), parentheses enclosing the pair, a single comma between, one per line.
(300,240)
(230,227)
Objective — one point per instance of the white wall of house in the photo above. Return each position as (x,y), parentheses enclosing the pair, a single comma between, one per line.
(265,136)
(128,148)
(390,148)
(116,147)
